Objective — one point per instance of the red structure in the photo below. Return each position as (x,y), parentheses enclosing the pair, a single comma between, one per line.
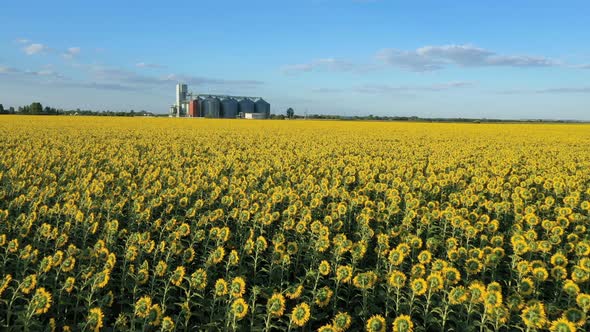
(193,109)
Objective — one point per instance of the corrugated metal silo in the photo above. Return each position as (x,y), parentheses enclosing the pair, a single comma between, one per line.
(262,107)
(211,107)
(229,108)
(246,106)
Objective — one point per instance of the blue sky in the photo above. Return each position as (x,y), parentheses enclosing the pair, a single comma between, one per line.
(494,59)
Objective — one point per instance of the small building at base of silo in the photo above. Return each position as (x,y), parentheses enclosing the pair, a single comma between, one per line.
(253,116)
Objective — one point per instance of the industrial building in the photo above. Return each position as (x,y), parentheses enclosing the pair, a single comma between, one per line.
(193,105)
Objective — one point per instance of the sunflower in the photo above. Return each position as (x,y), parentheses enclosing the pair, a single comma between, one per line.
(41,301)
(292,248)
(344,274)
(376,324)
(365,280)
(476,291)
(559,259)
(94,319)
(5,282)
(419,286)
(526,286)
(184,229)
(155,315)
(29,283)
(323,296)
(161,268)
(458,295)
(69,284)
(178,276)
(198,279)
(217,255)
(395,257)
(276,305)
(499,314)
(239,308)
(540,274)
(523,267)
(324,268)
(294,292)
(418,270)
(341,322)
(68,264)
(220,287)
(575,316)
(237,287)
(533,315)
(453,255)
(301,227)
(559,273)
(452,275)
(403,323)
(397,279)
(424,257)
(143,306)
(142,276)
(435,282)
(492,299)
(473,266)
(57,258)
(233,258)
(261,244)
(300,314)
(583,301)
(167,324)
(562,325)
(571,288)
(101,279)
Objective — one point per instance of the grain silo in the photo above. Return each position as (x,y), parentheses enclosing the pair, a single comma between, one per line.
(262,107)
(211,107)
(246,105)
(229,108)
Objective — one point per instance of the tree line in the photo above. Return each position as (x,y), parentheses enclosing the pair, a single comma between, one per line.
(37,108)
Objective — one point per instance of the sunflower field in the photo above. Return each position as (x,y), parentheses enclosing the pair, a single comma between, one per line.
(153,224)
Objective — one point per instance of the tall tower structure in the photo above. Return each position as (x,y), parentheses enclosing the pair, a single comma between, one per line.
(181,92)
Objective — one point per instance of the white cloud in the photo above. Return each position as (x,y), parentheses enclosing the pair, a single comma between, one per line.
(565,90)
(71,52)
(388,89)
(23,41)
(7,70)
(35,48)
(556,90)
(332,64)
(148,65)
(385,89)
(429,58)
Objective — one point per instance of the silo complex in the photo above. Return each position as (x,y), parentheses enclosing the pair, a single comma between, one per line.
(193,105)
(229,108)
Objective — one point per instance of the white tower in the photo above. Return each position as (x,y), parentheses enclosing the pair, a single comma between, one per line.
(181,91)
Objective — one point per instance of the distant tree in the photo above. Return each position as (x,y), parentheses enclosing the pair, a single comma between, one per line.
(1,109)
(11,110)
(290,113)
(36,108)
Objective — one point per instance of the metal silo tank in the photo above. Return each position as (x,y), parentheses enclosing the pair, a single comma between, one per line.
(263,107)
(212,107)
(246,106)
(229,108)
